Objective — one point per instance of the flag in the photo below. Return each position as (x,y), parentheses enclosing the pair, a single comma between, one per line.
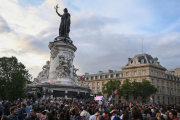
(130,104)
(110,97)
(151,100)
(116,91)
(82,78)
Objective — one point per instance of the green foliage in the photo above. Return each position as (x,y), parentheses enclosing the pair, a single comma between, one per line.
(136,88)
(89,91)
(111,86)
(142,89)
(126,89)
(13,77)
(99,93)
(147,89)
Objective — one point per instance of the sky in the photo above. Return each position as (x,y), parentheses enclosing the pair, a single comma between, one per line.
(106,33)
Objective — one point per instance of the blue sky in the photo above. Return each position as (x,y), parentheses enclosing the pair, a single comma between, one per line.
(106,33)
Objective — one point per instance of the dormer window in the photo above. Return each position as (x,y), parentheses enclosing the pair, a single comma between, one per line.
(142,61)
(150,61)
(134,61)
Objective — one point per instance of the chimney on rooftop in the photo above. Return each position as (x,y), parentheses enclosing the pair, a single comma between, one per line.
(110,71)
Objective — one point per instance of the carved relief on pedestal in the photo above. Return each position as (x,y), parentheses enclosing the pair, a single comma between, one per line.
(45,73)
(74,71)
(54,50)
(64,67)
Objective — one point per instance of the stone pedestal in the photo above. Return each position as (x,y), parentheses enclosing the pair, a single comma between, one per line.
(58,78)
(61,62)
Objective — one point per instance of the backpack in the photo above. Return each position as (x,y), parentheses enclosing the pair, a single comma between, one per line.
(116,118)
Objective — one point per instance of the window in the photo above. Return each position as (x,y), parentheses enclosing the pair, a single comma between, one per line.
(134,73)
(97,90)
(152,81)
(111,75)
(97,83)
(93,84)
(95,77)
(126,74)
(135,62)
(102,83)
(157,74)
(162,82)
(117,75)
(91,78)
(106,76)
(157,82)
(87,78)
(135,80)
(93,90)
(120,75)
(101,77)
(143,72)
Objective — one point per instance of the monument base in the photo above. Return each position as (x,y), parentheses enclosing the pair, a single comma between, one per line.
(54,90)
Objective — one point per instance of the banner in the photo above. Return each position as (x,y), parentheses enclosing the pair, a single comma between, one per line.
(98,98)
(151,100)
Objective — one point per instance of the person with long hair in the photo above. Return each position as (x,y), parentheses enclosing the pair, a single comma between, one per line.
(105,114)
(61,116)
(125,115)
(67,115)
(49,116)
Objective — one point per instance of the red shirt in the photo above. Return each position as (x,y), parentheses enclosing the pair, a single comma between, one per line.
(176,119)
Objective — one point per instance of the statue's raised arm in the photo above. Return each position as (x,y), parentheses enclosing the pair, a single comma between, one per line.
(56,7)
(64,27)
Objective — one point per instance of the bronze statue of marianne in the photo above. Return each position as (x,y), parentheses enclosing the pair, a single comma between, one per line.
(64,27)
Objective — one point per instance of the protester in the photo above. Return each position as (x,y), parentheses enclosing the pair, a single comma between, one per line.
(32,115)
(28,108)
(94,117)
(49,116)
(88,109)
(1,108)
(105,114)
(14,113)
(85,114)
(5,117)
(173,115)
(21,114)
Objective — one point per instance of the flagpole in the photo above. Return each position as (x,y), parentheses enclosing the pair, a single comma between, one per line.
(116,89)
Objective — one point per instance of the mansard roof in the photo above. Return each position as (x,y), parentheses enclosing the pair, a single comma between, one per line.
(144,58)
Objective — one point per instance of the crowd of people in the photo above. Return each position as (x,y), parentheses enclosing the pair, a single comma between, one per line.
(84,109)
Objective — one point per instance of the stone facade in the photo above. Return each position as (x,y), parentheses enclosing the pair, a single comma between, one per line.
(142,66)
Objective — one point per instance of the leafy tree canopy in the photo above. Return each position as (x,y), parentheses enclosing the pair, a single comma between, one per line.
(13,77)
(111,86)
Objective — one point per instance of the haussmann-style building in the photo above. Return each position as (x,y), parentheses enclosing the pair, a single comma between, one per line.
(141,67)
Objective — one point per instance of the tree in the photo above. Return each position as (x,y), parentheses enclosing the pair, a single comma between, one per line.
(126,89)
(111,86)
(147,89)
(136,88)
(99,93)
(13,77)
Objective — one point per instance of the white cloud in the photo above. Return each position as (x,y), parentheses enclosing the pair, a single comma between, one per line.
(105,35)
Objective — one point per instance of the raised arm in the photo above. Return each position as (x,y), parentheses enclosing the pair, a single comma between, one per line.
(58,13)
